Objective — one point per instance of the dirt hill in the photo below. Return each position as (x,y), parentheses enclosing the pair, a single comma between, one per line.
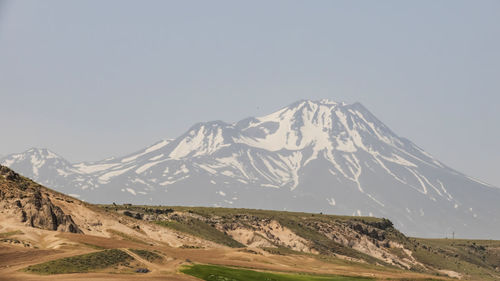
(31,203)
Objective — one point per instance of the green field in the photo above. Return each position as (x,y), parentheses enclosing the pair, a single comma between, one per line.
(82,263)
(220,273)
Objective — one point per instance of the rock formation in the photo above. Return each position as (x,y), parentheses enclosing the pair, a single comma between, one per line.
(31,203)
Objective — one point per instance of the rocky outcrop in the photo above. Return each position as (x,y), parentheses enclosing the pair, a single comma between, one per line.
(31,203)
(370,240)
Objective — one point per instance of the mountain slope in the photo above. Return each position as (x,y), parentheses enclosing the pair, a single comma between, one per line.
(316,156)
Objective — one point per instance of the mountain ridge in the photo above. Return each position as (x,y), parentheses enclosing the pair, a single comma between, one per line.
(317,156)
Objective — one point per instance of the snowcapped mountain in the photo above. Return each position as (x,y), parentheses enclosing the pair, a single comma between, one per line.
(316,156)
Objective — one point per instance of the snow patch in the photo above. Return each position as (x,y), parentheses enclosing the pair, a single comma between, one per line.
(131,191)
(106,177)
(269,185)
(156,157)
(147,166)
(89,169)
(331,201)
(146,151)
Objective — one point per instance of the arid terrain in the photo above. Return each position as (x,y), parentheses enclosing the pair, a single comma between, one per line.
(46,235)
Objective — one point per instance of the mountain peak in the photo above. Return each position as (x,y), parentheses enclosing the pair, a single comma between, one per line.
(330,102)
(43,152)
(33,154)
(310,102)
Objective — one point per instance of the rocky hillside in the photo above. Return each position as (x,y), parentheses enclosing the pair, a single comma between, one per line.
(365,240)
(25,204)
(31,204)
(362,239)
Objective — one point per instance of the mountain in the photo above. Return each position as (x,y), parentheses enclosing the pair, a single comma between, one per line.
(315,156)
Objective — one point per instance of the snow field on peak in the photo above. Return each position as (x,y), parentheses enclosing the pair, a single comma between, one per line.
(198,142)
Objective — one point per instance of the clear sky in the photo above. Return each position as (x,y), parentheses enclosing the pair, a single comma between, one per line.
(93,79)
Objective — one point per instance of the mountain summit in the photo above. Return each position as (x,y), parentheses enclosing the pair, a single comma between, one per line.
(315,156)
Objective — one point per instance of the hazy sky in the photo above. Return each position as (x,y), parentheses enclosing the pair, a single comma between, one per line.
(93,79)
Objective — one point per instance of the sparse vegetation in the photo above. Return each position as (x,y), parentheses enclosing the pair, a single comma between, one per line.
(184,246)
(304,228)
(10,233)
(126,236)
(282,251)
(147,255)
(201,229)
(300,223)
(82,263)
(479,259)
(93,246)
(220,273)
